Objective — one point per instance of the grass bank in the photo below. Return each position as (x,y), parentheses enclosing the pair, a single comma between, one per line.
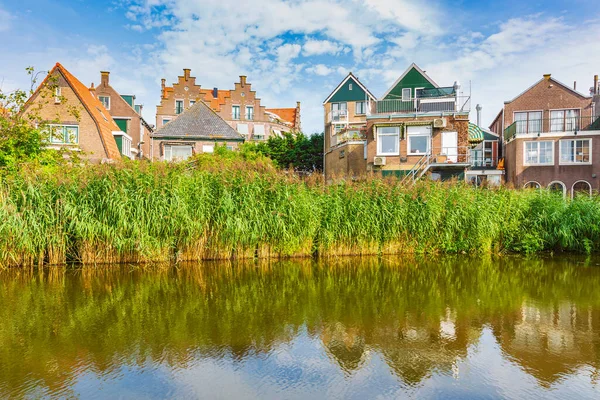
(233,208)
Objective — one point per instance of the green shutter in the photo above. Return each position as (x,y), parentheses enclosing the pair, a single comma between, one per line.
(122,124)
(119,140)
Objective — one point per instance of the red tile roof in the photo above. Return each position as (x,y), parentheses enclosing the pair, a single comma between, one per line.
(104,122)
(286,114)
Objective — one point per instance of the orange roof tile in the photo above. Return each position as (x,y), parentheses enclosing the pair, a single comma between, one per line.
(215,103)
(286,114)
(104,122)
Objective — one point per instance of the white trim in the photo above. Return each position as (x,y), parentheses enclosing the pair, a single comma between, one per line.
(562,184)
(408,135)
(121,133)
(64,126)
(404,74)
(525,164)
(350,75)
(575,183)
(108,97)
(574,163)
(536,182)
(115,117)
(397,135)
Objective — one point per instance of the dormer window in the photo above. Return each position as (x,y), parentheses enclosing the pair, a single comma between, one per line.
(105,100)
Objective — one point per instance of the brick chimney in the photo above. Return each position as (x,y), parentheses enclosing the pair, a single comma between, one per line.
(547,76)
(93,89)
(104,78)
(243,80)
(186,73)
(596,88)
(215,93)
(162,88)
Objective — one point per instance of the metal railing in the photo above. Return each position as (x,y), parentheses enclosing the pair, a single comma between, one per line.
(346,136)
(549,125)
(424,105)
(438,157)
(337,116)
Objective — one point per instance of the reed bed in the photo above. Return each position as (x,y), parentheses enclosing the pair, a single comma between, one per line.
(232,209)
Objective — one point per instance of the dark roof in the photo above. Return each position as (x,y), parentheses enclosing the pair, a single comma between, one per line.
(198,121)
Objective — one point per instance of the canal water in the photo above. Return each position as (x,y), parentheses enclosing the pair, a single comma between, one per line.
(452,327)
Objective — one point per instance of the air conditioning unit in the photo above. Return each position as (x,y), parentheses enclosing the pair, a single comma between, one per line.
(379,161)
(439,123)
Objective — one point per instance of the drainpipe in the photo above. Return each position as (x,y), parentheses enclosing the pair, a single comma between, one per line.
(478,108)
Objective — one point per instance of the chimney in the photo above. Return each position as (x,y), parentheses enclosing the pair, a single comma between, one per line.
(162,88)
(298,105)
(93,89)
(478,108)
(215,93)
(547,76)
(104,78)
(575,85)
(186,73)
(243,80)
(596,88)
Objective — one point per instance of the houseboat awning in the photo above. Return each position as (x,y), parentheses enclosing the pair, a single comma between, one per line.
(475,134)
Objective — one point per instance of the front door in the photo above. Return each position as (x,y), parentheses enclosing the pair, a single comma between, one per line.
(450,145)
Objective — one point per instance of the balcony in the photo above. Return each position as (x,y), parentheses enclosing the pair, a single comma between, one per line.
(337,117)
(427,101)
(350,135)
(535,127)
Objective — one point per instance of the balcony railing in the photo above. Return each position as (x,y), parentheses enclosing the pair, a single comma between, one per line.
(549,125)
(340,116)
(350,135)
(428,104)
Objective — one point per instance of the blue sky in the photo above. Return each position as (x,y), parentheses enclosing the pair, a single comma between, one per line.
(300,50)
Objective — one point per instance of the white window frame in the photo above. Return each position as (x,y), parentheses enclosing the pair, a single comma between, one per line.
(565,119)
(233,114)
(538,164)
(57,94)
(208,148)
(379,143)
(579,181)
(105,97)
(527,130)
(404,98)
(364,108)
(561,183)
(408,139)
(350,86)
(168,150)
(63,128)
(536,182)
(562,141)
(249,116)
(182,106)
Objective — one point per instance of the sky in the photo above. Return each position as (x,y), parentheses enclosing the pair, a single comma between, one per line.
(294,50)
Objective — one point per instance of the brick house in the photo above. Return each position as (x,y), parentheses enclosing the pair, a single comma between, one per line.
(79,122)
(135,140)
(197,130)
(550,138)
(239,107)
(416,128)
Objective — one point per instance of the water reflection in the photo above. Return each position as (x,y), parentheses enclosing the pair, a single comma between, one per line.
(351,328)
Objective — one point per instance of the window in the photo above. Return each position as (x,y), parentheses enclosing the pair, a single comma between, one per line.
(361,108)
(64,134)
(581,188)
(558,187)
(208,148)
(178,106)
(105,100)
(235,112)
(165,121)
(259,132)
(177,152)
(242,129)
(529,122)
(57,95)
(339,111)
(192,102)
(564,120)
(406,94)
(538,153)
(230,148)
(419,139)
(350,86)
(575,151)
(532,185)
(388,140)
(126,146)
(249,113)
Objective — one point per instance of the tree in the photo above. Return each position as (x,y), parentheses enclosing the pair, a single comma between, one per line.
(294,151)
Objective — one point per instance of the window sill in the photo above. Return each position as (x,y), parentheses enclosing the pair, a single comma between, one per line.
(574,163)
(538,165)
(419,154)
(387,155)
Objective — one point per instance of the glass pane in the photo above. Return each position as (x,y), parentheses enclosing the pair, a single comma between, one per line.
(388,130)
(531,153)
(181,152)
(556,121)
(567,149)
(535,122)
(388,144)
(571,120)
(545,152)
(71,134)
(418,144)
(521,122)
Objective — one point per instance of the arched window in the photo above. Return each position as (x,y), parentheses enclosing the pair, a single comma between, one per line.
(532,185)
(581,188)
(558,187)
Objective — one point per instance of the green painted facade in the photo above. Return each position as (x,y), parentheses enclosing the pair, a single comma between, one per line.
(128,99)
(122,124)
(345,93)
(119,140)
(413,80)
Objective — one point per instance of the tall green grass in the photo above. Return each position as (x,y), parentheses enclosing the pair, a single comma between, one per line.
(230,208)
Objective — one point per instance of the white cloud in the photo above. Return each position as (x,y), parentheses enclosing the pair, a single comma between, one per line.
(317,47)
(5,20)
(321,70)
